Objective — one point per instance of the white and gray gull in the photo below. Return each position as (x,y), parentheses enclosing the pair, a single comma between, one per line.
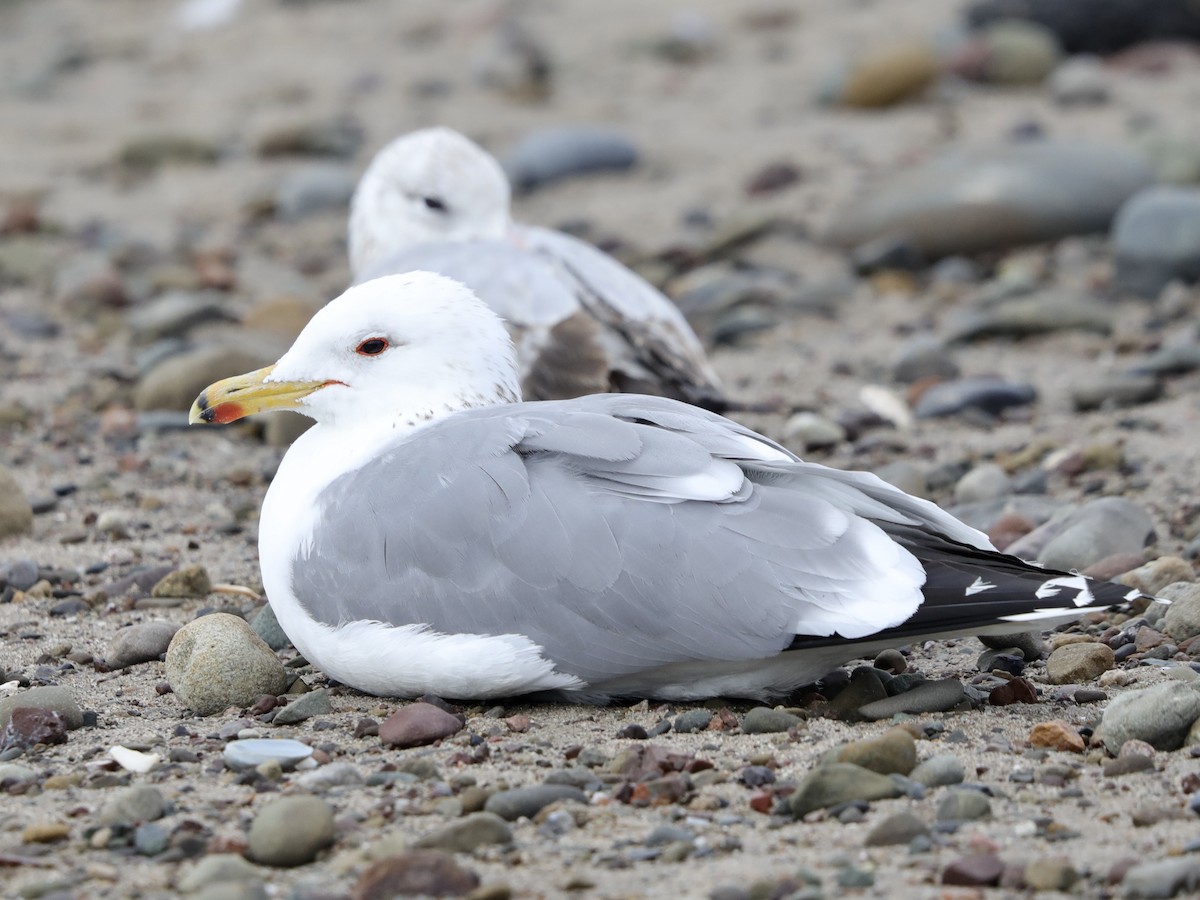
(582,322)
(434,533)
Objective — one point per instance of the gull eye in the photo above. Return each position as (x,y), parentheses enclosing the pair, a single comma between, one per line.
(372,346)
(434,203)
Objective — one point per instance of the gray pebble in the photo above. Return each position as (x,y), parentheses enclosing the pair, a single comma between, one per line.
(813,430)
(1115,391)
(528,801)
(1040,313)
(140,803)
(217,869)
(1156,238)
(1089,533)
(463,836)
(291,831)
(984,482)
(143,642)
(693,720)
(1162,878)
(932,696)
(764,720)
(1160,715)
(252,752)
(1080,81)
(836,783)
(217,661)
(551,154)
(328,777)
(266,626)
(924,356)
(305,706)
(987,394)
(940,769)
(22,574)
(898,828)
(1182,619)
(151,839)
(315,188)
(176,313)
(963,806)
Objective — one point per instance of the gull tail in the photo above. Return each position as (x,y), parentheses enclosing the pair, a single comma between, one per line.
(969,591)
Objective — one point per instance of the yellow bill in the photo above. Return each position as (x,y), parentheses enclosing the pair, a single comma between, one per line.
(234,398)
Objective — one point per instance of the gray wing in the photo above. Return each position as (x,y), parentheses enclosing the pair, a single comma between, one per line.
(618,532)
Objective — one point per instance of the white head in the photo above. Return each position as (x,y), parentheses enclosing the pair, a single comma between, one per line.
(395,352)
(429,185)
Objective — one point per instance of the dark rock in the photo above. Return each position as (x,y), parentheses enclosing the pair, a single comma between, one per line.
(528,801)
(981,870)
(425,873)
(1018,690)
(552,154)
(932,696)
(763,720)
(990,395)
(1114,391)
(28,726)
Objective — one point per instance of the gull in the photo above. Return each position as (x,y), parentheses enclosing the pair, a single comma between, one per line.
(433,533)
(581,321)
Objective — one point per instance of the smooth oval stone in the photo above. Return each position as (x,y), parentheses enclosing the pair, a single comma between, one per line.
(551,154)
(528,801)
(1160,715)
(975,199)
(1156,238)
(1091,532)
(1095,27)
(991,395)
(1041,313)
(932,696)
(252,752)
(1112,391)
(291,831)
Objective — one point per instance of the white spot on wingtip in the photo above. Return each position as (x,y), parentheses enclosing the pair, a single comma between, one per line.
(1054,586)
(978,586)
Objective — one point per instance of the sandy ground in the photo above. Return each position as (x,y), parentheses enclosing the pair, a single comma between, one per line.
(704,129)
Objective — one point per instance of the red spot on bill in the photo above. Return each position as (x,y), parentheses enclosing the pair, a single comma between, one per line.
(224,413)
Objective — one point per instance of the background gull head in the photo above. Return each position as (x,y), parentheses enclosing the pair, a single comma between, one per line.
(429,185)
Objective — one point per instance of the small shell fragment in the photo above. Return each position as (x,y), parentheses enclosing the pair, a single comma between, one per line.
(133,760)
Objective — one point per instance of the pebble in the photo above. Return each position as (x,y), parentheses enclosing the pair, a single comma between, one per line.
(176,313)
(979,870)
(1074,663)
(217,661)
(175,382)
(1029,643)
(1162,878)
(984,393)
(426,873)
(553,153)
(764,720)
(1018,53)
(463,836)
(962,805)
(1085,535)
(16,513)
(418,724)
(217,869)
(45,832)
(253,752)
(314,703)
(1116,391)
(886,75)
(140,803)
(21,574)
(53,698)
(1040,313)
(984,482)
(290,831)
(836,783)
(1038,191)
(133,760)
(1182,620)
(691,721)
(340,138)
(932,696)
(1156,239)
(1160,715)
(894,751)
(1016,690)
(139,643)
(1158,574)
(189,581)
(151,839)
(940,769)
(1056,735)
(1128,765)
(516,803)
(813,430)
(30,726)
(1080,81)
(898,828)
(924,356)
(1080,29)
(315,188)
(266,626)
(153,151)
(891,661)
(1175,359)
(328,777)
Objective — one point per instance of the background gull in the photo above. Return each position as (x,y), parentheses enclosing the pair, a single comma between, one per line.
(432,533)
(581,321)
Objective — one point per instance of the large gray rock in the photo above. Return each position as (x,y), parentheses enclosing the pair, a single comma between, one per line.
(1156,236)
(836,783)
(291,831)
(1160,715)
(975,199)
(217,661)
(1182,620)
(139,643)
(1082,535)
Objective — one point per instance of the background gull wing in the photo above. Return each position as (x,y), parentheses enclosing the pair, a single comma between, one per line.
(619,533)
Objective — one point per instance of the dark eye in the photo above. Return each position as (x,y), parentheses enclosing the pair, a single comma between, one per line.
(434,203)
(371,346)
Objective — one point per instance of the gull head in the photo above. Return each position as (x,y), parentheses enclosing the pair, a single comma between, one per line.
(396,352)
(428,185)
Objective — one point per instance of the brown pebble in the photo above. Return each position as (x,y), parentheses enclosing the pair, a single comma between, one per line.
(518,723)
(1056,735)
(980,870)
(31,725)
(772,178)
(426,872)
(45,832)
(418,724)
(1016,690)
(1127,765)
(1008,528)
(1112,566)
